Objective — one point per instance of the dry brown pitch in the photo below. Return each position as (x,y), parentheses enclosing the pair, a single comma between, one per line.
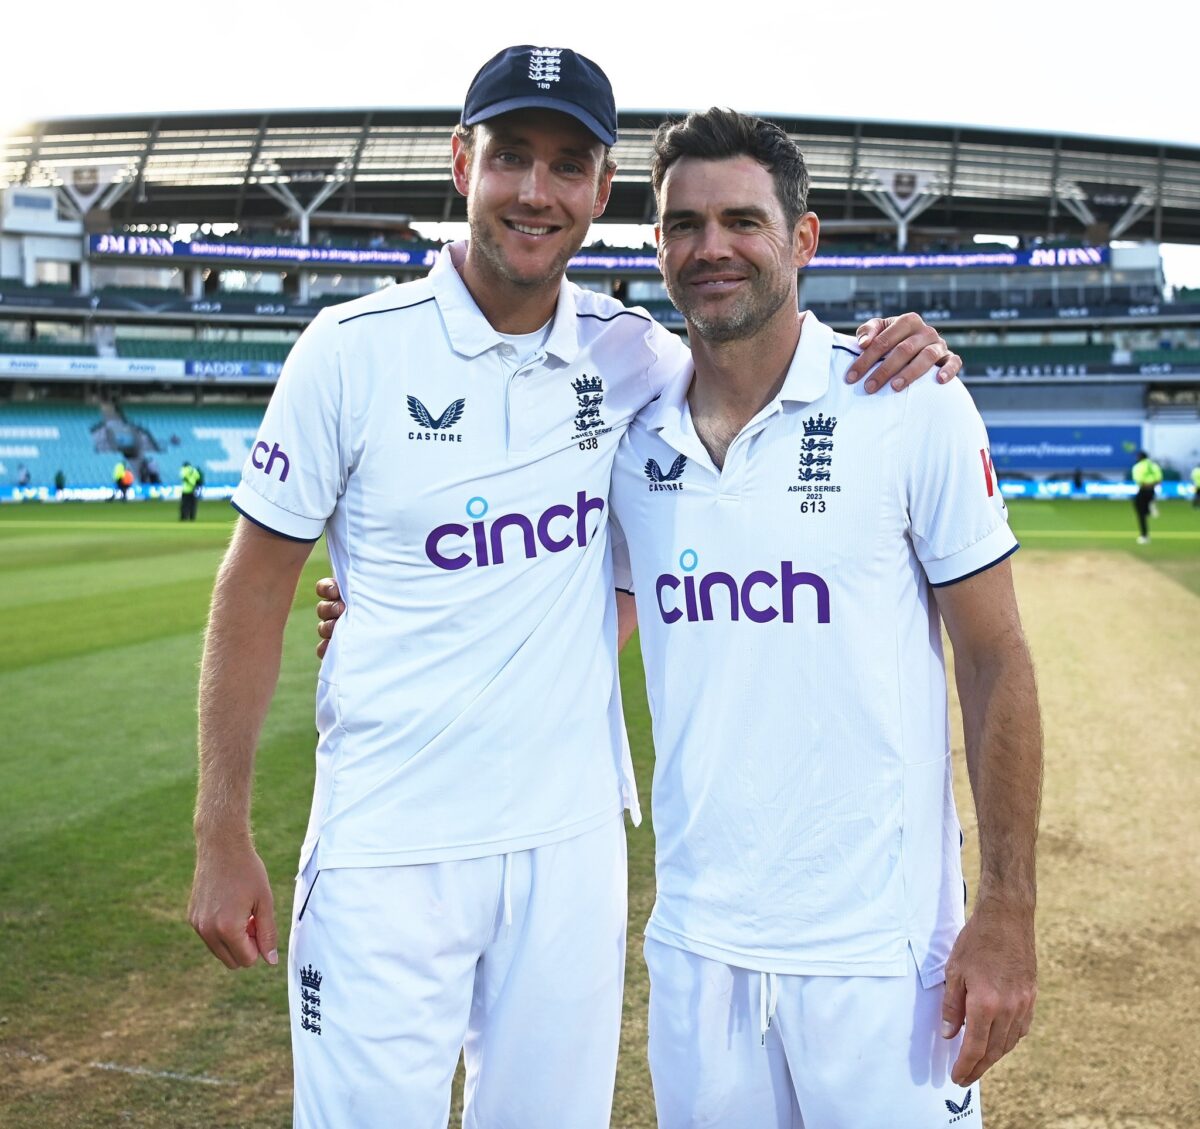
(1116,1042)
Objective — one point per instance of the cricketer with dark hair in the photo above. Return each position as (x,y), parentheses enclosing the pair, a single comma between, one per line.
(462,884)
(809,962)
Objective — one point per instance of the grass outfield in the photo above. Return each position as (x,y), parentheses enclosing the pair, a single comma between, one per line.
(1112,525)
(112,1012)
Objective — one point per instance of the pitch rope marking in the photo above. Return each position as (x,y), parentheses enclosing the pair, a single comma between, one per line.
(1108,534)
(176,527)
(172,1075)
(138,1071)
(148,526)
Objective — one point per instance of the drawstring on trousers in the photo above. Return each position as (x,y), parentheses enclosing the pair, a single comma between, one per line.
(506,889)
(768,985)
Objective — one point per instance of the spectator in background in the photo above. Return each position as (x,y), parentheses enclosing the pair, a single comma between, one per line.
(122,480)
(23,477)
(1196,487)
(60,483)
(1147,474)
(189,492)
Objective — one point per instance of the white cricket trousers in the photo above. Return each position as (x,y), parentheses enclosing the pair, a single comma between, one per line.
(735,1049)
(516,960)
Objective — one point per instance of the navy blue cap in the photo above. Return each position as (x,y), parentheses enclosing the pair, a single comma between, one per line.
(546,78)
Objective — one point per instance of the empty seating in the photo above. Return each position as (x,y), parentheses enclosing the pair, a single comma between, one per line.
(160,348)
(215,437)
(148,294)
(1167,356)
(48,437)
(85,442)
(976,357)
(46,347)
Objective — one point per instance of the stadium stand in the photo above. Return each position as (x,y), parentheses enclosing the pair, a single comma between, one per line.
(1042,355)
(244,297)
(84,441)
(1055,299)
(1175,356)
(47,348)
(52,436)
(140,293)
(15,285)
(659,307)
(200,350)
(214,437)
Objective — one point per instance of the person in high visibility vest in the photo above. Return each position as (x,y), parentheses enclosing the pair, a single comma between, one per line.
(122,478)
(191,478)
(1196,487)
(1147,474)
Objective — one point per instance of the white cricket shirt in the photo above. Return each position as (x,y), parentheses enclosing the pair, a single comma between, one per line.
(468,703)
(803,810)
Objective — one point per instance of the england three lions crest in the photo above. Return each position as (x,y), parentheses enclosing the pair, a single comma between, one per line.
(310,999)
(814,489)
(816,449)
(545,64)
(589,400)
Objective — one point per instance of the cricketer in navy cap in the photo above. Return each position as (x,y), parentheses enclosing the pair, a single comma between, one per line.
(548,78)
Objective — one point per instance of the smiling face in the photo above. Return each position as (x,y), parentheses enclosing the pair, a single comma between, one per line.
(534,181)
(727,253)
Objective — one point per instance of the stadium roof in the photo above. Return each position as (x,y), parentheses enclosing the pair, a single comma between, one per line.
(250,167)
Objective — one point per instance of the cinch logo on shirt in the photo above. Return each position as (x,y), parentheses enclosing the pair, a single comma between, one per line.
(266,458)
(741,597)
(454,546)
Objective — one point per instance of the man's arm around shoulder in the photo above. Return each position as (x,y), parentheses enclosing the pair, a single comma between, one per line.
(231,905)
(991,976)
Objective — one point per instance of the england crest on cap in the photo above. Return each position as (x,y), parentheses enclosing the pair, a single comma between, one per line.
(546,78)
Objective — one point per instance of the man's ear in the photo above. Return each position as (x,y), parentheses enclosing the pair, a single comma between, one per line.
(805,237)
(604,191)
(460,165)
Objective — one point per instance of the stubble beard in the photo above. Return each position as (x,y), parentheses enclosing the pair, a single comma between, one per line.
(498,263)
(745,319)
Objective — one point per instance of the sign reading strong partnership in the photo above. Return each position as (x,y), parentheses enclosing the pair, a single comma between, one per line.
(698,591)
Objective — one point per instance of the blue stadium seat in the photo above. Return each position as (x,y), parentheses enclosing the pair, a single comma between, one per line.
(78,440)
(215,437)
(47,437)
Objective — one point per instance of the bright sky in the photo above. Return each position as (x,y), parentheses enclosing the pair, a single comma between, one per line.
(1027,64)
(1125,71)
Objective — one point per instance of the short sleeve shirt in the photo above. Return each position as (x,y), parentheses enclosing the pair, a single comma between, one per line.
(468,703)
(802,792)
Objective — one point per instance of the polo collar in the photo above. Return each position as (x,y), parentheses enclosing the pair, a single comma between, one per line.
(667,412)
(471,333)
(808,375)
(807,380)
